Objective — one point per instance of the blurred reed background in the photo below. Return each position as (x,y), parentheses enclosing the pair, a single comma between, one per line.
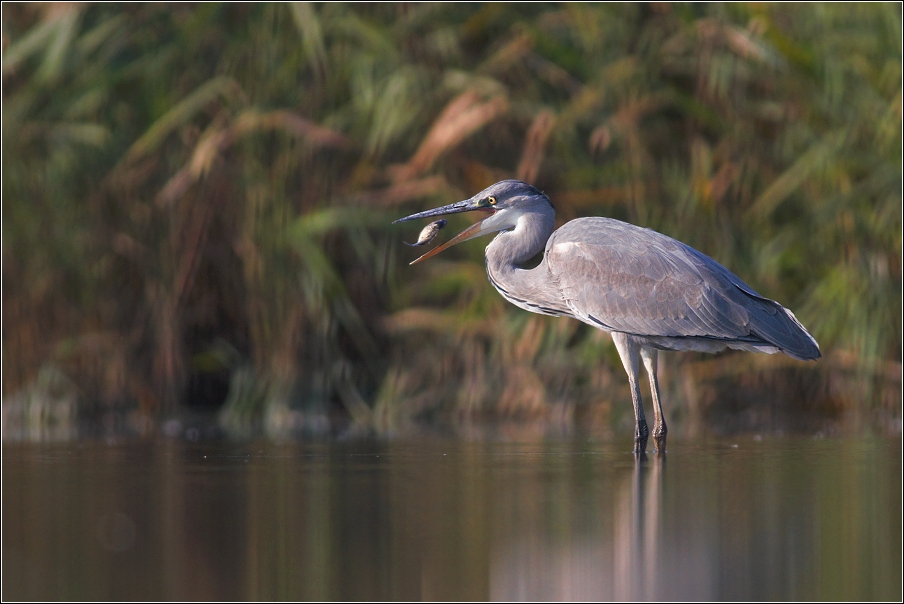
(197,203)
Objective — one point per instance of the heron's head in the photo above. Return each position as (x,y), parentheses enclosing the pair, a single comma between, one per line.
(505,202)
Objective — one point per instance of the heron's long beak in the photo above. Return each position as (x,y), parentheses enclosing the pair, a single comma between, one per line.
(453,208)
(475,230)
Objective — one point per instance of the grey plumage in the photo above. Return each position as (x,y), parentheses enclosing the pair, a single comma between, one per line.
(651,292)
(625,278)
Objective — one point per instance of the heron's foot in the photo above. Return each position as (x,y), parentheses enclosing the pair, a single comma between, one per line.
(659,444)
(641,434)
(659,433)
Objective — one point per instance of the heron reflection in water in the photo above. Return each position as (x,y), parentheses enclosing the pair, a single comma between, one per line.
(651,292)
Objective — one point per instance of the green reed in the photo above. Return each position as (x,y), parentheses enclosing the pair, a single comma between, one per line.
(200,197)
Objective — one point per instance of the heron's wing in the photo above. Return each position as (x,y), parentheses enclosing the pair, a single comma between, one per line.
(626,278)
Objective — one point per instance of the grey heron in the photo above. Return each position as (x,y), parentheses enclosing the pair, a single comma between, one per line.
(649,291)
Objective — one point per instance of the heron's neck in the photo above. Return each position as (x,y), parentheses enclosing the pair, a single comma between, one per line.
(510,249)
(530,289)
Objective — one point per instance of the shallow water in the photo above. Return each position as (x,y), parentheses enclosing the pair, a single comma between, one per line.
(778,518)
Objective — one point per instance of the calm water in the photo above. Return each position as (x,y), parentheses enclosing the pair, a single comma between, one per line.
(783,518)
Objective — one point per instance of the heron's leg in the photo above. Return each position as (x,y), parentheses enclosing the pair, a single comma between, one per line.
(649,356)
(629,351)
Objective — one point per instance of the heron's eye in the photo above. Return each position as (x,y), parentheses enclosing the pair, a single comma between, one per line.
(492,201)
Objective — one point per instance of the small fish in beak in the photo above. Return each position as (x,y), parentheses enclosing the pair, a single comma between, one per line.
(428,233)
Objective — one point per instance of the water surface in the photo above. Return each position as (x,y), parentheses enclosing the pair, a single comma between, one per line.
(440,518)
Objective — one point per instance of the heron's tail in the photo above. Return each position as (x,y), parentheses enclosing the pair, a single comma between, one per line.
(777,325)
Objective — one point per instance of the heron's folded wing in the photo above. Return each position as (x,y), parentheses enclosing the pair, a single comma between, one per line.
(625,278)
